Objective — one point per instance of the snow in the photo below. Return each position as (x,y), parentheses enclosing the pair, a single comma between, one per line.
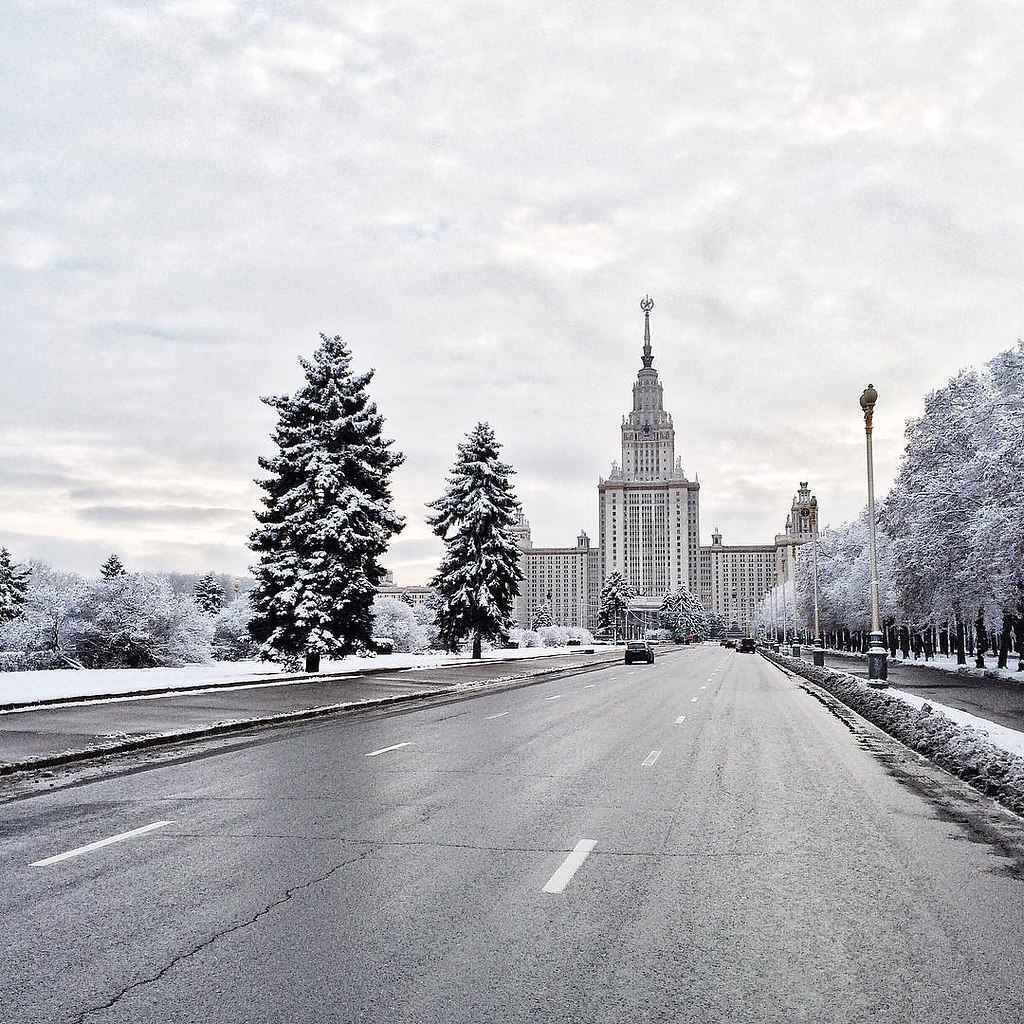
(999,735)
(55,684)
(947,663)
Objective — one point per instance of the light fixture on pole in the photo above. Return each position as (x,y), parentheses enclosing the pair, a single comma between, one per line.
(878,670)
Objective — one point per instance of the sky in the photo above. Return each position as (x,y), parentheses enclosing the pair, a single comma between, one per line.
(476,197)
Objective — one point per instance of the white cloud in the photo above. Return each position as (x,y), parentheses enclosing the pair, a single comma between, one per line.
(476,198)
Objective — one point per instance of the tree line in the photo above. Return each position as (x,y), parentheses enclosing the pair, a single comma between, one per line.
(950,531)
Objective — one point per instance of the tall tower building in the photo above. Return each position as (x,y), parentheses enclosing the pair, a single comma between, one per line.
(649,519)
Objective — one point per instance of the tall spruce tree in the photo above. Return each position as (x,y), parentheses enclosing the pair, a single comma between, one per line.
(327,517)
(13,587)
(615,597)
(112,567)
(209,593)
(479,575)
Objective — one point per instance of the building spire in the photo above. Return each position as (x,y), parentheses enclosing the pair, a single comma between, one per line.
(647,304)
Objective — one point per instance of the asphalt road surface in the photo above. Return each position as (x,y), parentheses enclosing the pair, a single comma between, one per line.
(696,840)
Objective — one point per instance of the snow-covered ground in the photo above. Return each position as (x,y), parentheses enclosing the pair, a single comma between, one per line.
(52,684)
(947,663)
(999,735)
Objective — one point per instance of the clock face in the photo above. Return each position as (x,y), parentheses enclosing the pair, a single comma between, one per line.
(645,433)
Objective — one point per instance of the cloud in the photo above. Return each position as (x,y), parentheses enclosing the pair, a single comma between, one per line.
(815,196)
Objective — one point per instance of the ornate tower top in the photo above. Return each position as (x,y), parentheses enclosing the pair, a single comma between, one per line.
(647,304)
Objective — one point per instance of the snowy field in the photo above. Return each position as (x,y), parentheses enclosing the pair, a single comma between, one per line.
(947,663)
(54,684)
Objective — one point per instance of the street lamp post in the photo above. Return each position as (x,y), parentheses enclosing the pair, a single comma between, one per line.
(796,635)
(785,613)
(878,670)
(819,644)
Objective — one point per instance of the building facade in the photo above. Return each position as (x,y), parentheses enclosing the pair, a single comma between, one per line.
(649,530)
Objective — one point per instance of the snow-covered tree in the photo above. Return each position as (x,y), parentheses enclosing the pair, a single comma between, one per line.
(231,638)
(52,616)
(209,593)
(393,618)
(615,597)
(479,575)
(13,587)
(327,516)
(112,567)
(135,620)
(542,616)
(684,614)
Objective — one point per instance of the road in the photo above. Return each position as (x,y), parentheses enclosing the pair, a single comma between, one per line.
(739,856)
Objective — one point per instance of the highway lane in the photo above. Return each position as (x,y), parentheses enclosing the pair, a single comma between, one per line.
(393,866)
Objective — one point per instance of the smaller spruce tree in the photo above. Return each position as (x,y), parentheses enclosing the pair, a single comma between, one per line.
(209,594)
(479,575)
(13,587)
(112,567)
(615,597)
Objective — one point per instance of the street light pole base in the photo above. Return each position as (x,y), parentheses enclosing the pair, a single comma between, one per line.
(878,662)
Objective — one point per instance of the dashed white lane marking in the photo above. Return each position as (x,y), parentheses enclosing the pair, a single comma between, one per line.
(561,878)
(703,687)
(651,758)
(589,686)
(103,842)
(384,750)
(680,719)
(693,700)
(500,715)
(553,696)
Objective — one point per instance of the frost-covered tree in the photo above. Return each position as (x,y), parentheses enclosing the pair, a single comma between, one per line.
(112,567)
(479,575)
(615,597)
(209,593)
(231,638)
(52,617)
(394,619)
(327,516)
(542,616)
(13,587)
(683,613)
(135,620)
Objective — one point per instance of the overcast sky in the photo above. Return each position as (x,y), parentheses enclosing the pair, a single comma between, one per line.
(476,196)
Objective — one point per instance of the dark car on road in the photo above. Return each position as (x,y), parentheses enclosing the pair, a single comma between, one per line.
(747,646)
(639,650)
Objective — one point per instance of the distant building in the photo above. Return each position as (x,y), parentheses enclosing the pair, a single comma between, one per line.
(411,595)
(649,530)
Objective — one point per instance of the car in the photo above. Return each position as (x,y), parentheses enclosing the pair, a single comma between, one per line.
(639,650)
(747,645)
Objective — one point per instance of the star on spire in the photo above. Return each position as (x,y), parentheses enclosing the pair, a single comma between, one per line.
(647,304)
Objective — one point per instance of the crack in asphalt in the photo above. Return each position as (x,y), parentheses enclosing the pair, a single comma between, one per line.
(206,943)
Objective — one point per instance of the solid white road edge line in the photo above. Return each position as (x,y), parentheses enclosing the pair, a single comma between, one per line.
(384,750)
(561,878)
(500,715)
(103,842)
(651,758)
